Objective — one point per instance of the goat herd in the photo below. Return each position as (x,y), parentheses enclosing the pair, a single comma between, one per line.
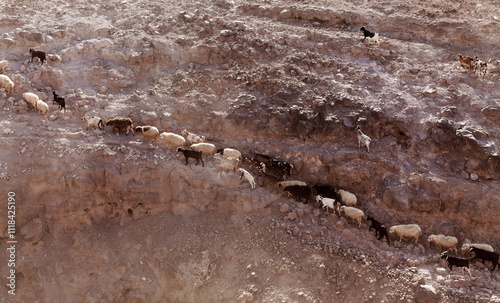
(275,171)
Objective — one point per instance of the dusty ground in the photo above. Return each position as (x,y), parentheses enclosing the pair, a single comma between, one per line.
(108,218)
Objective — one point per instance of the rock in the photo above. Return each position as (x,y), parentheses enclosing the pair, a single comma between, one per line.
(474,177)
(284,208)
(34,230)
(292,216)
(426,294)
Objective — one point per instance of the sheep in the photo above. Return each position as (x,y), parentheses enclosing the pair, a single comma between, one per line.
(363,139)
(485,255)
(466,61)
(347,198)
(42,107)
(3,65)
(457,262)
(206,148)
(448,242)
(31,99)
(406,230)
(59,100)
(7,84)
(226,164)
(192,154)
(172,139)
(372,37)
(121,123)
(271,179)
(230,153)
(192,138)
(148,131)
(327,191)
(284,184)
(93,121)
(38,54)
(326,202)
(487,247)
(248,177)
(299,192)
(353,213)
(380,229)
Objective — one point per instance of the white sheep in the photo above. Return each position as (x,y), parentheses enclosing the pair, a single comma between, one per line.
(353,213)
(31,98)
(448,242)
(43,108)
(3,65)
(172,139)
(363,139)
(347,198)
(7,84)
(226,164)
(248,177)
(326,202)
(230,153)
(406,230)
(206,148)
(148,131)
(192,138)
(93,121)
(486,247)
(284,184)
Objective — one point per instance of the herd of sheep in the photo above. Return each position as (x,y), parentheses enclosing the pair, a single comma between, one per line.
(275,171)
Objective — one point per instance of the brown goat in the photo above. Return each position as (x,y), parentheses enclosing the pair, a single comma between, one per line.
(466,61)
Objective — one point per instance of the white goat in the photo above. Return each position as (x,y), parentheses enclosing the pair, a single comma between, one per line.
(206,148)
(7,84)
(148,131)
(363,139)
(172,139)
(448,242)
(248,177)
(326,202)
(406,230)
(348,198)
(192,138)
(93,121)
(353,213)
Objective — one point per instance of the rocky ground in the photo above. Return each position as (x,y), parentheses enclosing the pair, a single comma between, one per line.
(108,218)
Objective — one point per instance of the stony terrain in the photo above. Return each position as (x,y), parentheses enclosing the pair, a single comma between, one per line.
(102,217)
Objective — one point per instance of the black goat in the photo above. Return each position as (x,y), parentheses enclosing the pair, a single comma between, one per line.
(38,54)
(278,172)
(326,191)
(282,164)
(456,261)
(299,191)
(367,33)
(60,100)
(485,255)
(192,154)
(380,229)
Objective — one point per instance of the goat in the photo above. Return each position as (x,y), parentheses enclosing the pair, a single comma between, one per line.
(364,139)
(121,123)
(466,61)
(485,255)
(192,138)
(372,37)
(380,229)
(192,154)
(326,202)
(248,177)
(271,179)
(93,121)
(59,100)
(457,262)
(299,192)
(38,54)
(327,191)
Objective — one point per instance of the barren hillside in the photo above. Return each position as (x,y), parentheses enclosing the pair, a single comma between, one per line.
(103,217)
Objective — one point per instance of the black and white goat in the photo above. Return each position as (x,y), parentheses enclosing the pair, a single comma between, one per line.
(38,54)
(372,37)
(454,261)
